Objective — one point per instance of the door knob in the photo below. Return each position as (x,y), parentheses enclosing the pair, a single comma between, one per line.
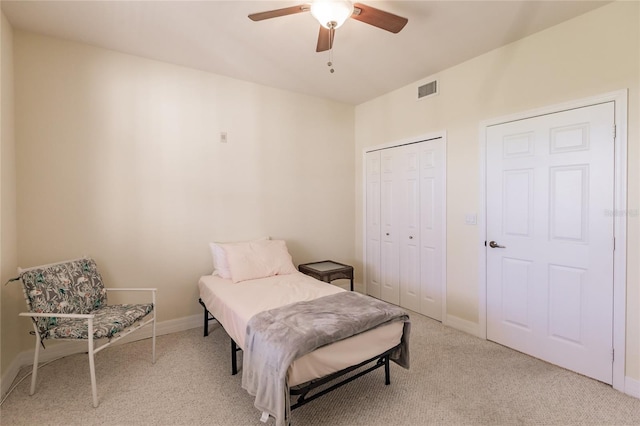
(493,244)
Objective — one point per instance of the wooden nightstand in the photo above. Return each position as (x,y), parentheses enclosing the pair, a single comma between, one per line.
(327,271)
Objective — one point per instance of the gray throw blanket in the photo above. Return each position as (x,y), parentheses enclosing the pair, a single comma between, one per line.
(277,337)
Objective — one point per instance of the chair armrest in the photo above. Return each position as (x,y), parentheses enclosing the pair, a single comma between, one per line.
(56,315)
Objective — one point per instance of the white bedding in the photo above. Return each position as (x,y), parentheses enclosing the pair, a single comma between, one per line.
(233,304)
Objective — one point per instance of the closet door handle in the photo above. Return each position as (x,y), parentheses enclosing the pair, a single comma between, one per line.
(411,237)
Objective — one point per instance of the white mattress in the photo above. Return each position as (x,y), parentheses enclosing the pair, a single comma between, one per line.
(234,304)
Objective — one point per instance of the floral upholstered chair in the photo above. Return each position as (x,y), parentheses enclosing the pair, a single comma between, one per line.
(68,300)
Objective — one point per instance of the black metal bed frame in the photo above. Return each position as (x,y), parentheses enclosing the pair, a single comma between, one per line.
(302,391)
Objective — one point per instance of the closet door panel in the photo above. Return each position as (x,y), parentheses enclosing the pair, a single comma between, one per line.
(431,228)
(372,215)
(390,268)
(409,219)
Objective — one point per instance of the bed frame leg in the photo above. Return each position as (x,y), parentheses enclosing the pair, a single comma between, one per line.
(387,375)
(206,318)
(234,361)
(206,323)
(234,347)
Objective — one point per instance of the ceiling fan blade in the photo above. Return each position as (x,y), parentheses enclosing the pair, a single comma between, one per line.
(325,39)
(378,18)
(279,12)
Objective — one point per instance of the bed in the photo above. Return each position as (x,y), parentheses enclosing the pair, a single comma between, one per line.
(255,277)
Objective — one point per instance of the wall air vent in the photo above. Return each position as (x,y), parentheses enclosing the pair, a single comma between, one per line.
(428,89)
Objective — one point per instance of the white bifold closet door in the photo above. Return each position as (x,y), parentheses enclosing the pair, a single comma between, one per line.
(405,225)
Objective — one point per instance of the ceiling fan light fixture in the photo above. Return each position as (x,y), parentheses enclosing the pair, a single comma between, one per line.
(331,13)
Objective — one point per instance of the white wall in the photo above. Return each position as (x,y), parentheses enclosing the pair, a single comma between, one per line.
(119,157)
(590,55)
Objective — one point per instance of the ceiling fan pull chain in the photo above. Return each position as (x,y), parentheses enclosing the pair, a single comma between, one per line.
(330,63)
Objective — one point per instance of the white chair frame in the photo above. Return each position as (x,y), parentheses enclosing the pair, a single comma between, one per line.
(92,350)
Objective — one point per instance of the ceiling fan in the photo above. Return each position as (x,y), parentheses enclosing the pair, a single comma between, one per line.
(332,13)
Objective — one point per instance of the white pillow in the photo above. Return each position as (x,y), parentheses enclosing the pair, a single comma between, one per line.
(258,259)
(220,264)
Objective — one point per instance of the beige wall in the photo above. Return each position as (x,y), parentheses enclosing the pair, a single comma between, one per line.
(119,157)
(590,55)
(11,300)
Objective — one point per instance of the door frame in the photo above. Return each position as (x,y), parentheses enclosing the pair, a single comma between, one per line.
(620,220)
(442,135)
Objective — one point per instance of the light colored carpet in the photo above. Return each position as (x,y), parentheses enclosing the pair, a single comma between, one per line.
(455,379)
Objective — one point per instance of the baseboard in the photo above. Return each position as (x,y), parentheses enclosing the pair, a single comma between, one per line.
(458,323)
(165,327)
(9,376)
(64,348)
(632,387)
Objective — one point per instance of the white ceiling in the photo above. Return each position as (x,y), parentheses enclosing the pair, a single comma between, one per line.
(217,36)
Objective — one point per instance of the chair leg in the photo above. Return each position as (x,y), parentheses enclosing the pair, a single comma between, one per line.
(34,373)
(153,338)
(92,367)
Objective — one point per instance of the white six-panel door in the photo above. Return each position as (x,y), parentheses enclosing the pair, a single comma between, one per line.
(550,240)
